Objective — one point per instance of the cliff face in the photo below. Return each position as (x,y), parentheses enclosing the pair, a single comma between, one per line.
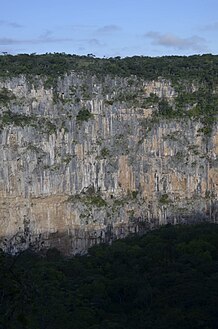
(86,161)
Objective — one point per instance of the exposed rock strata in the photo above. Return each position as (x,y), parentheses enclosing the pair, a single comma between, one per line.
(70,183)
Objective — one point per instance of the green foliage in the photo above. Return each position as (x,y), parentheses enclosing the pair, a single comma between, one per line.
(67,159)
(105,152)
(17,119)
(95,200)
(126,97)
(184,99)
(6,96)
(50,82)
(153,99)
(183,72)
(202,68)
(134,194)
(84,115)
(85,93)
(109,101)
(165,279)
(165,110)
(199,103)
(44,125)
(89,197)
(164,199)
(50,127)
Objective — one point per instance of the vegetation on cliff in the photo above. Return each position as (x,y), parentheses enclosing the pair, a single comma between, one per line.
(195,79)
(167,278)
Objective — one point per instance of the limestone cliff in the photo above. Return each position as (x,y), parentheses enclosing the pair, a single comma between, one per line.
(86,161)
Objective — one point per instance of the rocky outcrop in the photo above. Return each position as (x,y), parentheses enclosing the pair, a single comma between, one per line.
(87,161)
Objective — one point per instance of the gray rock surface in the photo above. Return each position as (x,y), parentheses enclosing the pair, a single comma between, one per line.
(85,162)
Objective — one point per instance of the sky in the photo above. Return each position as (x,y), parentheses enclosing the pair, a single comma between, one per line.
(108,28)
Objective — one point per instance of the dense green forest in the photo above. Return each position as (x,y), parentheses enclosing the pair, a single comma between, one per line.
(197,67)
(167,278)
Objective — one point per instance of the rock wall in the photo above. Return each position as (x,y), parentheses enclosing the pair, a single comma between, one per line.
(85,161)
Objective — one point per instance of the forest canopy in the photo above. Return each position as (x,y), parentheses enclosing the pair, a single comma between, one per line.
(203,68)
(166,279)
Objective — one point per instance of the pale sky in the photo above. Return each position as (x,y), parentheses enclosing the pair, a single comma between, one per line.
(109,28)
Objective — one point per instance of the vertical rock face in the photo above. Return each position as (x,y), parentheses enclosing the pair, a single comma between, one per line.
(85,162)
